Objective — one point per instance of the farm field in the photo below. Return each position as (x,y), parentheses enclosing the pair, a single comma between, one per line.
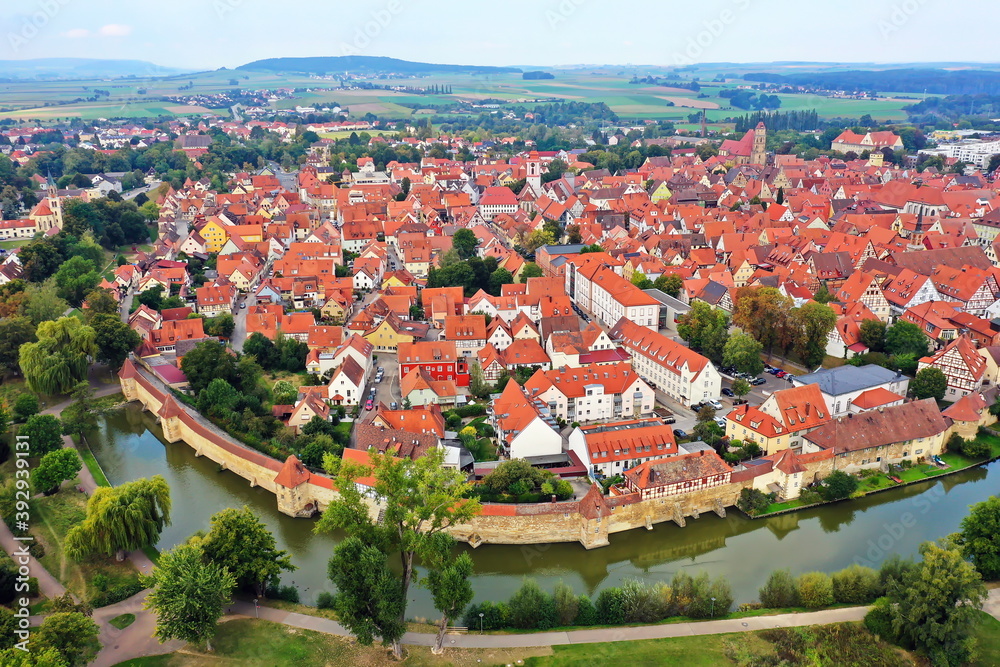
(635,102)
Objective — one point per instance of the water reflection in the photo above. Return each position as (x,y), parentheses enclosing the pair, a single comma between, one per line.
(129,445)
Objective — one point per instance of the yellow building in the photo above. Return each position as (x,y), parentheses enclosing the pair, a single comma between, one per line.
(215,234)
(386,338)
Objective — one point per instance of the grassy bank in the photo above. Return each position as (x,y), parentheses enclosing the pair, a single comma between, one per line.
(880,481)
(53,516)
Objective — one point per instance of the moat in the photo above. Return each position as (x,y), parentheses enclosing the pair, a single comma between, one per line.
(129,445)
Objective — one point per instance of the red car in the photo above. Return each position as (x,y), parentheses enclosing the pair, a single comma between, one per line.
(369,405)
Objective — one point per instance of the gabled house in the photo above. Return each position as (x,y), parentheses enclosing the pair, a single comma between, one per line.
(962,365)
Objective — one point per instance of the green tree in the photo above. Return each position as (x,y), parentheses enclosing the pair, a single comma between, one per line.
(741,387)
(75,278)
(838,485)
(99,301)
(121,518)
(567,604)
(669,283)
(573,235)
(370,600)
(239,542)
(817,321)
(207,361)
(529,606)
(221,325)
(25,405)
(855,584)
(929,382)
(189,595)
(498,279)
(448,581)
(14,332)
(742,352)
(58,360)
(822,295)
(44,433)
(905,338)
(419,499)
(979,537)
(465,242)
(114,339)
(81,415)
(151,298)
(762,312)
(530,270)
(71,635)
(935,610)
(702,324)
(54,469)
(873,335)
(41,303)
(640,280)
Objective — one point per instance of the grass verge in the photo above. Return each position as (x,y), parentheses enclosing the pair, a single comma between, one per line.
(123,621)
(987,641)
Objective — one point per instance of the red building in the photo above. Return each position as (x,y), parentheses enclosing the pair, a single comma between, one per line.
(439,360)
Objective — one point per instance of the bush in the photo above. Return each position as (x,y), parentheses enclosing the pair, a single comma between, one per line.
(531,608)
(116,594)
(324,600)
(879,620)
(586,612)
(477,410)
(855,585)
(25,405)
(37,550)
(495,616)
(702,605)
(285,593)
(780,591)
(893,572)
(975,449)
(566,603)
(754,501)
(838,485)
(610,607)
(815,590)
(642,603)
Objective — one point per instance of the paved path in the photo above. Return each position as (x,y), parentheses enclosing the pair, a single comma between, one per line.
(48,585)
(992,606)
(136,640)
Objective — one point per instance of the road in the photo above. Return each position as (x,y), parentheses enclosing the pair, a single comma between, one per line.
(289,179)
(240,318)
(132,194)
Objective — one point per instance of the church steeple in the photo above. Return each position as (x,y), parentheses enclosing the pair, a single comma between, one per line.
(758,154)
(52,193)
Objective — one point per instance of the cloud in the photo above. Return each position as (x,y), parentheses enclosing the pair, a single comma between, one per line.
(115,30)
(76,33)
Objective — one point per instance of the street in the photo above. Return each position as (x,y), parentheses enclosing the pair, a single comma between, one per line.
(240,318)
(387,391)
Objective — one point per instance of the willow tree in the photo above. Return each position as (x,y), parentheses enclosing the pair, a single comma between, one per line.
(59,359)
(416,501)
(121,518)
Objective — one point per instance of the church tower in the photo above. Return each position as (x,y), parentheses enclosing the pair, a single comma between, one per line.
(758,154)
(55,205)
(534,175)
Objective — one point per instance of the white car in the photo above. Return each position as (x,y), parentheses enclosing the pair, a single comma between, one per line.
(715,404)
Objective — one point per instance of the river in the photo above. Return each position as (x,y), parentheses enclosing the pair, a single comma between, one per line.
(129,445)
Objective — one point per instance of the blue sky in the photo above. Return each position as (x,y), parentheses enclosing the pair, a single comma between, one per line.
(206,34)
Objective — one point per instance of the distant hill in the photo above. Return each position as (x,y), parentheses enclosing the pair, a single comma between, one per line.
(368,64)
(933,81)
(81,68)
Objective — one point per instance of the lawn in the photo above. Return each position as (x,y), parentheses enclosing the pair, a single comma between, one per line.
(52,517)
(92,465)
(253,643)
(988,641)
(123,621)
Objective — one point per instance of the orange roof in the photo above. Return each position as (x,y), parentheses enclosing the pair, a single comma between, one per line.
(292,473)
(873,398)
(665,352)
(630,439)
(572,382)
(801,408)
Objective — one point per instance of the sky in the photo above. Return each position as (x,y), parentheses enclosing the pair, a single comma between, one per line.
(207,34)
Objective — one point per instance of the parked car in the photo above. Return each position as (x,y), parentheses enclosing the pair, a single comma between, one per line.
(697,406)
(243,304)
(369,405)
(780,374)
(678,433)
(715,404)
(721,422)
(669,420)
(393,406)
(756,382)
(726,391)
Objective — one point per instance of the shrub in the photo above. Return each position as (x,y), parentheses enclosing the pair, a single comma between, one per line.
(879,620)
(586,613)
(975,449)
(285,593)
(116,594)
(838,485)
(641,603)
(531,608)
(495,616)
(681,593)
(324,600)
(754,501)
(610,607)
(855,585)
(566,603)
(702,604)
(749,606)
(815,590)
(100,581)
(780,591)
(37,550)
(893,572)
(25,405)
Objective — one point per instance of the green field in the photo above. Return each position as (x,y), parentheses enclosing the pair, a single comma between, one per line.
(632,102)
